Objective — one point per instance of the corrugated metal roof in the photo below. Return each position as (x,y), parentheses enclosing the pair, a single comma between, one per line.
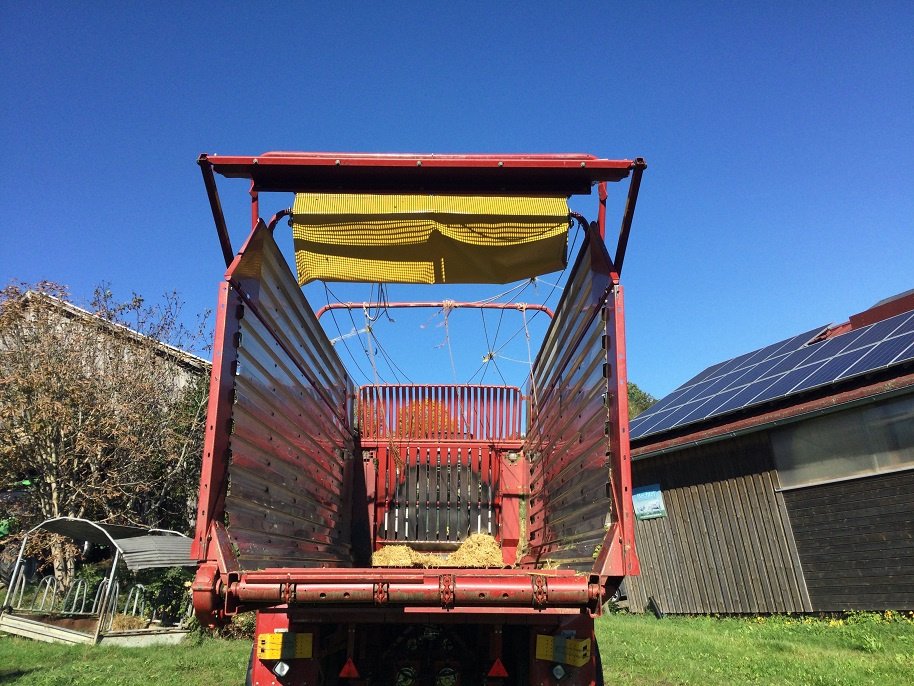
(86,530)
(140,548)
(143,552)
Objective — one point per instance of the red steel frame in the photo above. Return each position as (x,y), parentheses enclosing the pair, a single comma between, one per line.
(440,304)
(220,588)
(479,435)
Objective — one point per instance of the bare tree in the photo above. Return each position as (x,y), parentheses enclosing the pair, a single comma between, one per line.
(98,410)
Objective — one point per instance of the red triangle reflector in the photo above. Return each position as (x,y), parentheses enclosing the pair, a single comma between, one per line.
(498,670)
(349,671)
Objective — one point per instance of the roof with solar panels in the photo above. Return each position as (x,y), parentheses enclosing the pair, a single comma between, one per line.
(873,346)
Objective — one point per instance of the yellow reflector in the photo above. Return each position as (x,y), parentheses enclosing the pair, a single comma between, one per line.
(283,646)
(427,239)
(569,651)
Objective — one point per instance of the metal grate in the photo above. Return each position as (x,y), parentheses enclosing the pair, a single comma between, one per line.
(436,494)
(440,412)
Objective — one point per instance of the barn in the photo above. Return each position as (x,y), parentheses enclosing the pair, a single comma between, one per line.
(783,480)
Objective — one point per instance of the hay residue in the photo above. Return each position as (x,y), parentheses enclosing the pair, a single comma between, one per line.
(478,551)
(396,556)
(128,623)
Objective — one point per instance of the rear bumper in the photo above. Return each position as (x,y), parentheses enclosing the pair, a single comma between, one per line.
(408,590)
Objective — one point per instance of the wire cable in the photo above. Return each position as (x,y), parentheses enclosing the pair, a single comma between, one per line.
(343,338)
(356,327)
(447,335)
(369,335)
(394,367)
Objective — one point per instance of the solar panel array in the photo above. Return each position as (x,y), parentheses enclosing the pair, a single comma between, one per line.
(792,366)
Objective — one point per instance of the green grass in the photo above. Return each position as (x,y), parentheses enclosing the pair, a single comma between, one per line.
(208,662)
(637,651)
(861,649)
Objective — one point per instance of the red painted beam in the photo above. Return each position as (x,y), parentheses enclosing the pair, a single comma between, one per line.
(442,588)
(450,304)
(557,175)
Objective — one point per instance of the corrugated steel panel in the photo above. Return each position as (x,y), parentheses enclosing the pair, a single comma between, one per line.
(291,448)
(140,549)
(569,507)
(725,545)
(86,530)
(144,552)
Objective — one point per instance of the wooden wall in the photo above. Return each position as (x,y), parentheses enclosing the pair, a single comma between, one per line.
(726,544)
(856,542)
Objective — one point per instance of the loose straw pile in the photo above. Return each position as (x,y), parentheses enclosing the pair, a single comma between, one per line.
(479,551)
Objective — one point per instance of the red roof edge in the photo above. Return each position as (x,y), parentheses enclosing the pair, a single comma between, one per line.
(883,310)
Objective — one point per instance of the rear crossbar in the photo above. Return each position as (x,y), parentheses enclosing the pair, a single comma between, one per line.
(443,588)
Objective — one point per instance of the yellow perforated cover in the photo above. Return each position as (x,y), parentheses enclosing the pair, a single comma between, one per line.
(427,239)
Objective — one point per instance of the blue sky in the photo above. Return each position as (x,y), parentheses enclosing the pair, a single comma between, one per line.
(779,138)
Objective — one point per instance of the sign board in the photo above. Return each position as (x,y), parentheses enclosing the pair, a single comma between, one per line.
(648,502)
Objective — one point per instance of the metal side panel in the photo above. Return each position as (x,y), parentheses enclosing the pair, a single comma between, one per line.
(290,445)
(576,435)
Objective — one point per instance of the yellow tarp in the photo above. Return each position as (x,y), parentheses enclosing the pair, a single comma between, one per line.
(427,239)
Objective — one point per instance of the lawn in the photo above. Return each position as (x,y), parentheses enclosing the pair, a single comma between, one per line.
(637,651)
(858,650)
(206,662)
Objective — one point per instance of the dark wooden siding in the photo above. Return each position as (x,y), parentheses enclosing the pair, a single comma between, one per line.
(725,545)
(856,542)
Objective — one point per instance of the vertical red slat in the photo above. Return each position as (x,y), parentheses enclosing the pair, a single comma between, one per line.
(385,465)
(447,495)
(487,478)
(438,495)
(428,402)
(518,417)
(409,532)
(493,410)
(490,416)
(378,402)
(502,424)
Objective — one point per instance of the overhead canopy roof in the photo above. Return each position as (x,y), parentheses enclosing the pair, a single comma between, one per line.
(427,238)
(140,548)
(558,175)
